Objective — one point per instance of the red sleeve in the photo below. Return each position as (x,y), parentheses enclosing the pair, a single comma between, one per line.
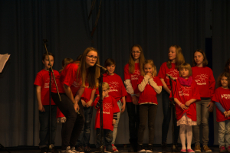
(158,81)
(115,106)
(162,71)
(215,96)
(71,74)
(126,72)
(38,80)
(212,83)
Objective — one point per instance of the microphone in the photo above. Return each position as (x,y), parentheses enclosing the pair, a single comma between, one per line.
(102,67)
(170,77)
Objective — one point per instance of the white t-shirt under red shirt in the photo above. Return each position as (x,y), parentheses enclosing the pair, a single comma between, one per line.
(43,79)
(149,94)
(165,70)
(133,77)
(183,94)
(222,96)
(109,108)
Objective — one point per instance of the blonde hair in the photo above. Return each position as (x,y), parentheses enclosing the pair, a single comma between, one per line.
(132,62)
(105,85)
(224,74)
(153,66)
(186,66)
(179,57)
(92,74)
(205,60)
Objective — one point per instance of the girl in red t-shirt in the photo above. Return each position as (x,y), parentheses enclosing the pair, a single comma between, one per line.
(185,94)
(221,98)
(204,78)
(149,86)
(132,71)
(175,59)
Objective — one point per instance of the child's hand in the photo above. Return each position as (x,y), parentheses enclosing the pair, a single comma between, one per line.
(41,108)
(134,100)
(210,106)
(76,107)
(225,114)
(89,103)
(83,103)
(183,107)
(114,121)
(123,108)
(187,104)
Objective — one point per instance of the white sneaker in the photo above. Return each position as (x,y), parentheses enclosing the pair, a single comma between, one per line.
(68,150)
(74,150)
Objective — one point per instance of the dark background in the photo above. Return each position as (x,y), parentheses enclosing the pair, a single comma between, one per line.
(154,24)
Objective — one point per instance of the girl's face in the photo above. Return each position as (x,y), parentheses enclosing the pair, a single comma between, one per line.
(148,68)
(46,61)
(198,58)
(184,73)
(136,53)
(224,82)
(172,54)
(111,69)
(91,58)
(105,92)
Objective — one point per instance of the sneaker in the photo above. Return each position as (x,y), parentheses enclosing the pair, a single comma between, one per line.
(222,149)
(190,150)
(87,149)
(183,150)
(228,148)
(67,150)
(140,149)
(149,148)
(206,148)
(73,149)
(197,148)
(80,149)
(114,148)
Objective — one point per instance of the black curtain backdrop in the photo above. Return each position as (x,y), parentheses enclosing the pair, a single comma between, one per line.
(155,25)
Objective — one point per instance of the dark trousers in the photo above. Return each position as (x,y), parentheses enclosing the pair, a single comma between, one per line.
(133,113)
(71,129)
(84,137)
(168,108)
(147,113)
(108,137)
(44,132)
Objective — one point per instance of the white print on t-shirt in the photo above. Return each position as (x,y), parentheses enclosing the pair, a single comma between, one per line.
(76,84)
(47,83)
(135,75)
(173,73)
(226,96)
(201,79)
(113,86)
(184,91)
(106,108)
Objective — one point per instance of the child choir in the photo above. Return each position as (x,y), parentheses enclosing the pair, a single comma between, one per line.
(187,92)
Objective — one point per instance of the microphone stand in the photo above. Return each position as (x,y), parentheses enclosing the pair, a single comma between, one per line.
(50,71)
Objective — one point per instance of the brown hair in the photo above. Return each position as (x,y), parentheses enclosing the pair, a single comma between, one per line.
(65,62)
(186,66)
(132,62)
(92,74)
(45,54)
(153,66)
(224,74)
(109,62)
(226,68)
(179,57)
(205,60)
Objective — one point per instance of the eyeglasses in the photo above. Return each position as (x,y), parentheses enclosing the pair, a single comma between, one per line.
(92,57)
(136,52)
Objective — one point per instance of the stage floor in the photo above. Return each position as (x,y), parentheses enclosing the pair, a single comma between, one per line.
(215,149)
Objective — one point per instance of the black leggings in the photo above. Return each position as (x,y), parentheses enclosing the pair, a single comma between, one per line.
(71,129)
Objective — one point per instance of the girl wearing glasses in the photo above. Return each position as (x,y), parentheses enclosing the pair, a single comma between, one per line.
(175,59)
(132,71)
(71,83)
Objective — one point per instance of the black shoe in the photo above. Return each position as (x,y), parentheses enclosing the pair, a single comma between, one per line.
(164,147)
(80,149)
(54,150)
(175,148)
(140,149)
(44,150)
(149,148)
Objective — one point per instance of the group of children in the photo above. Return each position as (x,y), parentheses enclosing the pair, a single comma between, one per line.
(188,92)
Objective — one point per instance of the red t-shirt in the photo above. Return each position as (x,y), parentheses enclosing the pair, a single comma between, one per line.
(69,77)
(149,94)
(87,93)
(165,70)
(133,78)
(205,81)
(109,108)
(183,94)
(116,87)
(43,79)
(222,96)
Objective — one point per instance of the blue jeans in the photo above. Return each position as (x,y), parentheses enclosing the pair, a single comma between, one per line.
(168,108)
(84,137)
(108,137)
(44,131)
